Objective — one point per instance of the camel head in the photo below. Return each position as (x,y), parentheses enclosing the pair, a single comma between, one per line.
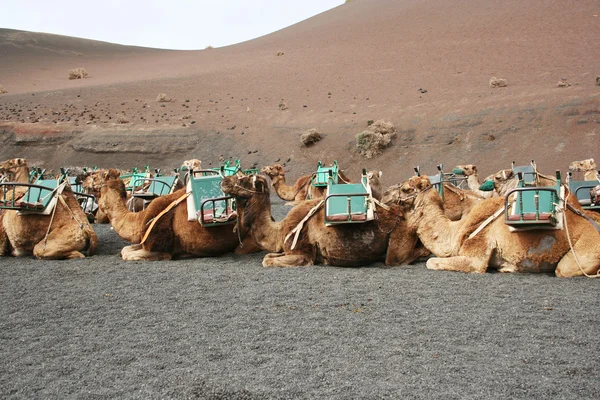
(244,187)
(498,180)
(583,165)
(194,164)
(374,178)
(273,170)
(406,192)
(466,170)
(10,166)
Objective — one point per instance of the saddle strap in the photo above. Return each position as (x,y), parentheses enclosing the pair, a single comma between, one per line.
(486,222)
(588,218)
(298,228)
(163,212)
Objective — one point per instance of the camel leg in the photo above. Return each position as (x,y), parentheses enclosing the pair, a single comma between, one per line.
(137,253)
(590,262)
(57,248)
(286,260)
(459,263)
(248,246)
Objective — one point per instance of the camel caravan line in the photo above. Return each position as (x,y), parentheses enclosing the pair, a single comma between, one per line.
(516,220)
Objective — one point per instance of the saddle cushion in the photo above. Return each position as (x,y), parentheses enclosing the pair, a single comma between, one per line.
(543,216)
(344,217)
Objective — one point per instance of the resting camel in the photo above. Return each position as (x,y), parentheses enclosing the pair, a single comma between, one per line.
(301,190)
(470,171)
(173,236)
(344,245)
(495,246)
(588,167)
(14,170)
(457,202)
(64,234)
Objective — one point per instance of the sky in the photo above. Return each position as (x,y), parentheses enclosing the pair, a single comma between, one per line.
(169,24)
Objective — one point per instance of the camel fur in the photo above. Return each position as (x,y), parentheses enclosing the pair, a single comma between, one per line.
(173,236)
(495,246)
(69,233)
(342,245)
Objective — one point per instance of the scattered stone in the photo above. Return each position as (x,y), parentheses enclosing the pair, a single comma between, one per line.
(563,83)
(279,53)
(597,81)
(310,137)
(497,82)
(282,105)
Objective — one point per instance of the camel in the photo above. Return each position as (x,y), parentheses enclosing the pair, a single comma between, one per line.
(15,170)
(64,233)
(384,239)
(457,202)
(588,167)
(506,180)
(173,236)
(470,171)
(301,190)
(495,246)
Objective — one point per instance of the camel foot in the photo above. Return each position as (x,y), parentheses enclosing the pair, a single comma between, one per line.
(137,253)
(459,263)
(286,260)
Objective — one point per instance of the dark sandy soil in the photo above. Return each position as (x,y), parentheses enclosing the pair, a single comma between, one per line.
(227,328)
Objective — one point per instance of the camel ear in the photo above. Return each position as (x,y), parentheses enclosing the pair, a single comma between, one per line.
(21,161)
(423,184)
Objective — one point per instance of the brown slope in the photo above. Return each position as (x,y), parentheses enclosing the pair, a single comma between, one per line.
(372,56)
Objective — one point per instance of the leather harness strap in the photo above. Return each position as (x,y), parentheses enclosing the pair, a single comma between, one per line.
(163,212)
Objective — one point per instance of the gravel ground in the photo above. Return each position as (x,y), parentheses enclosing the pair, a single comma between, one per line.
(227,328)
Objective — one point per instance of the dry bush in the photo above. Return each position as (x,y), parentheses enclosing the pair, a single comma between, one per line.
(497,82)
(563,84)
(598,80)
(2,90)
(78,73)
(283,105)
(375,139)
(311,136)
(279,53)
(163,98)
(121,119)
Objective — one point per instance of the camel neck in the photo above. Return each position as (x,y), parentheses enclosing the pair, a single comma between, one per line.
(123,221)
(256,214)
(22,175)
(434,228)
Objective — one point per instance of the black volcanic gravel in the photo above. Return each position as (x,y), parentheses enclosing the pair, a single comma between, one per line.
(227,328)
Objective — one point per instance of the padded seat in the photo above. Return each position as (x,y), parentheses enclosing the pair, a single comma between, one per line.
(344,217)
(209,217)
(531,216)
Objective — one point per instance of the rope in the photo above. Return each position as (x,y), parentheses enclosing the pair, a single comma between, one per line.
(298,228)
(49,226)
(64,203)
(163,212)
(571,244)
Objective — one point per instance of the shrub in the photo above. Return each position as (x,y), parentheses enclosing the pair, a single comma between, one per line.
(375,139)
(78,73)
(497,82)
(598,80)
(163,98)
(2,90)
(121,119)
(283,105)
(309,137)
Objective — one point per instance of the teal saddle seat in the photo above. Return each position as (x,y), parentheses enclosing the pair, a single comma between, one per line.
(348,203)
(212,207)
(324,175)
(155,187)
(581,190)
(35,196)
(531,206)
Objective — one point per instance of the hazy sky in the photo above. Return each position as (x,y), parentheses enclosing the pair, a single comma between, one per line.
(173,24)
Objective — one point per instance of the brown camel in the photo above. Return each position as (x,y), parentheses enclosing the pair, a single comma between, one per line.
(588,167)
(64,233)
(172,235)
(505,180)
(470,171)
(344,245)
(301,190)
(457,202)
(459,248)
(14,170)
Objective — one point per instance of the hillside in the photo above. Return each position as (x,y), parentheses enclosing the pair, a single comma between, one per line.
(424,66)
